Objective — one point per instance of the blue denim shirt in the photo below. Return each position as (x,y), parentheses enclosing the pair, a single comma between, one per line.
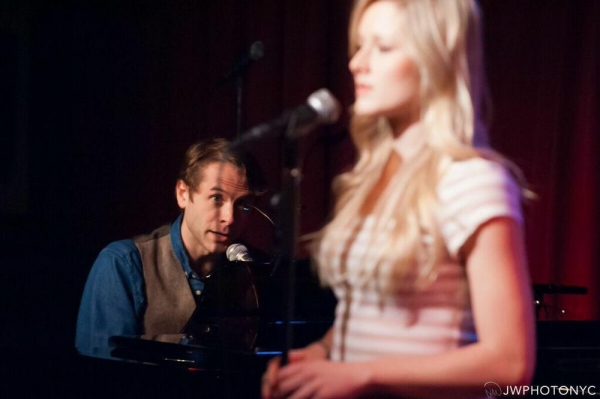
(114,298)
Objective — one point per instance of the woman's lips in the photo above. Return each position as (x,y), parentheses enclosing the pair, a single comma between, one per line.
(362,89)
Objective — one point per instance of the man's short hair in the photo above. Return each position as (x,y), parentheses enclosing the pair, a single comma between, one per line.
(204,152)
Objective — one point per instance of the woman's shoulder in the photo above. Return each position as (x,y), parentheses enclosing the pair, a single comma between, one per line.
(476,173)
(473,167)
(472,192)
(478,181)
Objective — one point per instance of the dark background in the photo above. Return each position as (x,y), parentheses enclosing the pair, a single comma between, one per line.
(98,101)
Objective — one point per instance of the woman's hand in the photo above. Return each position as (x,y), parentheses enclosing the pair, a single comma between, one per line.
(319,379)
(315,351)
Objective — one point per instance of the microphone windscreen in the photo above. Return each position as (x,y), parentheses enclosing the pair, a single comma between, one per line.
(257,51)
(237,252)
(326,106)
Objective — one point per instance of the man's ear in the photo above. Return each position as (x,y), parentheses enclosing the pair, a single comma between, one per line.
(182,193)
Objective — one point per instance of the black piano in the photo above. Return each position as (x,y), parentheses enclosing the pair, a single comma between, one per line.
(223,350)
(184,366)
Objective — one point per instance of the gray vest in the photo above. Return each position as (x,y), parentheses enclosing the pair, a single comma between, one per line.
(170,302)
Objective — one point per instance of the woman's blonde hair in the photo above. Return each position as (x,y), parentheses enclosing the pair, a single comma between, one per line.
(443,38)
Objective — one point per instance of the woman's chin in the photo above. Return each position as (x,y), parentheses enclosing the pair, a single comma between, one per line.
(364,109)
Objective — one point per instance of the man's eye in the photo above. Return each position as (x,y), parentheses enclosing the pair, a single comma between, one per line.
(217,198)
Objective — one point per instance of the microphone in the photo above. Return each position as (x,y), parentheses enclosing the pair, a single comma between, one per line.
(321,108)
(256,52)
(238,252)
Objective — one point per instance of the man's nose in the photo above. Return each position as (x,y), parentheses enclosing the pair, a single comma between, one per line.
(226,214)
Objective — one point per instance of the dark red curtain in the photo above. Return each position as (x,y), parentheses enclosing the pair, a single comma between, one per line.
(111,93)
(542,62)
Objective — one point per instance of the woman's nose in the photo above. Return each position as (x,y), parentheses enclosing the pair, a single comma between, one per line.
(358,61)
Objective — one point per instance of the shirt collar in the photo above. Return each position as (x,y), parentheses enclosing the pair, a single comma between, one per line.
(177,244)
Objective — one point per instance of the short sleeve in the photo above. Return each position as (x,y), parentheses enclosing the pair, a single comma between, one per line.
(471,193)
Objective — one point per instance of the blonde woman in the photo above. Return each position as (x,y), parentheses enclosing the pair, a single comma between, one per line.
(425,250)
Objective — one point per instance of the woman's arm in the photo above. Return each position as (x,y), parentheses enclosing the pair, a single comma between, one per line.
(502,305)
(503,310)
(320,349)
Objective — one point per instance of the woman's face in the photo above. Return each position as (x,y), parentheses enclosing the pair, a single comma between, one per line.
(386,80)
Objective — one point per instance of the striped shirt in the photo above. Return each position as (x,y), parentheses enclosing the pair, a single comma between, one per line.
(439,318)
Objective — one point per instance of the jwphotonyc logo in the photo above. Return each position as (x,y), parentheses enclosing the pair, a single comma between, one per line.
(494,390)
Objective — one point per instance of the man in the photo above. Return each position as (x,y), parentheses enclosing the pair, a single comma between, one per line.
(152,283)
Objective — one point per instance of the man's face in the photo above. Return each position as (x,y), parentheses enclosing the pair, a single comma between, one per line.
(215,211)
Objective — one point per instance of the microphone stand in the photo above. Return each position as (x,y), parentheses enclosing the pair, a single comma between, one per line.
(322,108)
(255,53)
(236,76)
(287,228)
